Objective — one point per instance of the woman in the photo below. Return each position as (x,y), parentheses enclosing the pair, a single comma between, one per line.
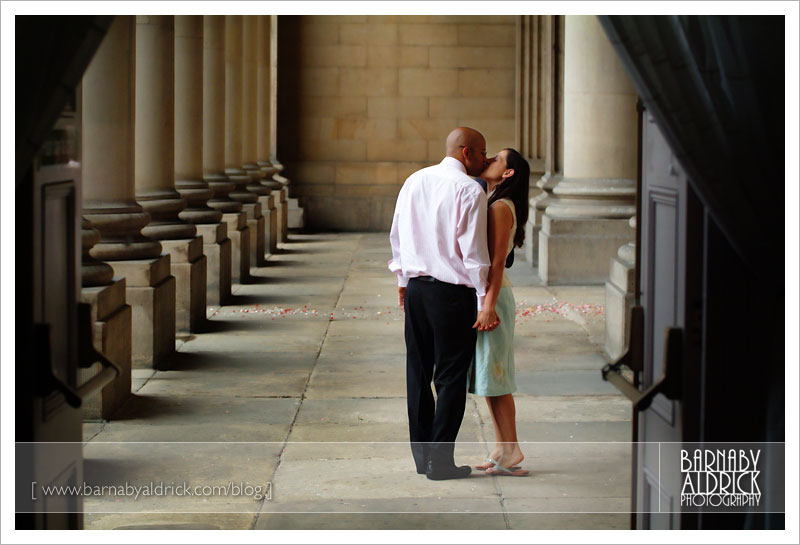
(492,374)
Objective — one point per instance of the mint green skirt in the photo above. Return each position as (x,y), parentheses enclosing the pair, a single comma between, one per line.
(492,369)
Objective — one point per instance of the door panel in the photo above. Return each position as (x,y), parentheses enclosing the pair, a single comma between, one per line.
(663,270)
(53,456)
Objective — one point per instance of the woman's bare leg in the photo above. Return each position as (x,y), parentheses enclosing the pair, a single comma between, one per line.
(498,437)
(504,417)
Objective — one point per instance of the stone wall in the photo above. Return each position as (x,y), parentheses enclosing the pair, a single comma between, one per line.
(364,101)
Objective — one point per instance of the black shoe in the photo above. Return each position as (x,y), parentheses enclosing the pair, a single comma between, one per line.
(444,473)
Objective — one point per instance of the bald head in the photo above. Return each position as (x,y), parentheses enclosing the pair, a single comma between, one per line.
(463,136)
(469,147)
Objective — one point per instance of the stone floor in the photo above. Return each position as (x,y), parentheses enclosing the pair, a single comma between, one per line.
(299,384)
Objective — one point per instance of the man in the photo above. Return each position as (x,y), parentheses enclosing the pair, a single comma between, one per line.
(441,260)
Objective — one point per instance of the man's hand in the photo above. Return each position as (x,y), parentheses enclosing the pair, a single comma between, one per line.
(401,297)
(487,320)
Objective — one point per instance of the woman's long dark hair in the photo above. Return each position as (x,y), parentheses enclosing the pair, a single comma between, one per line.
(516,189)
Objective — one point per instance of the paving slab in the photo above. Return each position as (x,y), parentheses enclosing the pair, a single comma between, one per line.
(382,521)
(567,408)
(539,345)
(388,515)
(383,383)
(568,514)
(376,345)
(140,376)
(582,294)
(566,476)
(333,361)
(172,521)
(269,336)
(189,364)
(553,360)
(294,286)
(352,411)
(201,418)
(373,326)
(565,382)
(619,431)
(238,381)
(308,480)
(179,477)
(379,441)
(92,428)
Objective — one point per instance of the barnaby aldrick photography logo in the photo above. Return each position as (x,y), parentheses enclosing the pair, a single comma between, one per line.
(720,477)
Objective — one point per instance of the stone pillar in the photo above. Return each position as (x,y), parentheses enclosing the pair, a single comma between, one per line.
(249,156)
(263,130)
(540,114)
(154,168)
(285,205)
(111,327)
(620,296)
(189,160)
(109,196)
(587,219)
(534,79)
(214,136)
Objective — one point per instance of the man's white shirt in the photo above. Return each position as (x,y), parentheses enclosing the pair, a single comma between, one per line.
(439,228)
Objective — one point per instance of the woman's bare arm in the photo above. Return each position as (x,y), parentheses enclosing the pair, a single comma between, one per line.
(500,221)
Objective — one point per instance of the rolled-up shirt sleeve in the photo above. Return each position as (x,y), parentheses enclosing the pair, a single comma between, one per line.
(472,240)
(395,264)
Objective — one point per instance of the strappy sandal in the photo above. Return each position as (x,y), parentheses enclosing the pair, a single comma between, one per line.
(515,471)
(495,464)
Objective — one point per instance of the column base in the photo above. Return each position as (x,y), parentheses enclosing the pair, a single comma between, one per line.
(257,224)
(577,250)
(111,327)
(619,300)
(189,267)
(280,208)
(270,224)
(217,249)
(239,234)
(284,228)
(258,243)
(531,247)
(295,216)
(151,293)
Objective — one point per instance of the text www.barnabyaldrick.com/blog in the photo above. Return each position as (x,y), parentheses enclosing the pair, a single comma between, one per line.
(154,489)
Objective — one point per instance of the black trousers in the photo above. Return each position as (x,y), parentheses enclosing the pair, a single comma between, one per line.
(440,344)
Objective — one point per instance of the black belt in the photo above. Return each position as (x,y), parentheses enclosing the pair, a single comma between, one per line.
(431,279)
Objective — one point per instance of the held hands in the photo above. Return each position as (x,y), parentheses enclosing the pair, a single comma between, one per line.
(487,320)
(401,298)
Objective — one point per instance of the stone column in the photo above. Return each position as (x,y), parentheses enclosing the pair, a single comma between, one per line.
(249,155)
(263,128)
(154,168)
(109,196)
(233,139)
(587,219)
(533,84)
(111,327)
(540,122)
(189,159)
(286,205)
(214,114)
